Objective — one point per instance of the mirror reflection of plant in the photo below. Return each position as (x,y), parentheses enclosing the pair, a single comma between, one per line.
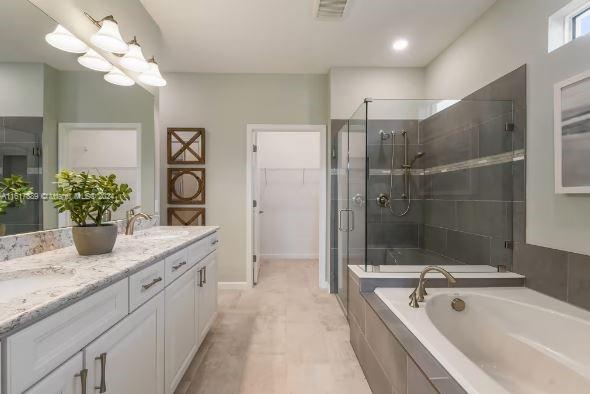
(87,197)
(14,190)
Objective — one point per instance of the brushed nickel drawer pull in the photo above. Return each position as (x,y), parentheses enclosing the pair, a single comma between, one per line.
(153,282)
(83,375)
(177,266)
(103,379)
(215,242)
(205,275)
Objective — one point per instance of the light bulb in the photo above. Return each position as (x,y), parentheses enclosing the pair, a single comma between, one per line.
(116,77)
(94,61)
(401,44)
(152,76)
(108,38)
(61,38)
(133,59)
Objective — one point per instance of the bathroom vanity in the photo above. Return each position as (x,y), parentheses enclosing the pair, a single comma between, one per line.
(125,322)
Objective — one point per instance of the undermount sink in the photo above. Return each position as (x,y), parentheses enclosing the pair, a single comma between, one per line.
(161,234)
(19,283)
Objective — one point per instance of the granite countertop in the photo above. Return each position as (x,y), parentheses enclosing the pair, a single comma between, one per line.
(36,286)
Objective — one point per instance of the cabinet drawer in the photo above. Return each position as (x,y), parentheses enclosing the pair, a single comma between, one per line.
(197,251)
(176,265)
(145,284)
(212,242)
(40,348)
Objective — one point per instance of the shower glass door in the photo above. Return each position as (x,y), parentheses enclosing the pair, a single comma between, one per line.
(351,202)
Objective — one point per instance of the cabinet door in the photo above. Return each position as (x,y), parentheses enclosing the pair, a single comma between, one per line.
(181,326)
(129,358)
(66,379)
(208,295)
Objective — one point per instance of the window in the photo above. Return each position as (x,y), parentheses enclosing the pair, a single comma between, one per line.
(581,23)
(569,23)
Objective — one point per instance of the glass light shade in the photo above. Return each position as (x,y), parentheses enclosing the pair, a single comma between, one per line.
(116,77)
(94,61)
(152,76)
(134,60)
(108,38)
(62,39)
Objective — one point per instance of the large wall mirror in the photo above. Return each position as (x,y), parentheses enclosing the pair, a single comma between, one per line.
(56,114)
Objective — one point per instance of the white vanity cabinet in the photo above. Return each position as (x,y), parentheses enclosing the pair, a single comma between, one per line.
(181,326)
(136,336)
(207,297)
(66,379)
(129,358)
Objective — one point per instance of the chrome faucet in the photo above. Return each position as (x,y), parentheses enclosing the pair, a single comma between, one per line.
(131,221)
(420,290)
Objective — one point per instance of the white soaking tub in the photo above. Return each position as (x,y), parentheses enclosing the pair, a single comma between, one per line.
(507,340)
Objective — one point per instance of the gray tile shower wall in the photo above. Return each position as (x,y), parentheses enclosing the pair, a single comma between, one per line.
(385,230)
(468,212)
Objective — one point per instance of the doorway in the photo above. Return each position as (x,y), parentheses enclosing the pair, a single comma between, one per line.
(286,196)
(101,149)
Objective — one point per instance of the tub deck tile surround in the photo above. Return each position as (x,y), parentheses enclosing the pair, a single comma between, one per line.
(83,275)
(393,359)
(369,281)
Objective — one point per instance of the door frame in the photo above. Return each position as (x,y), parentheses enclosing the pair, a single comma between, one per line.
(63,132)
(323,193)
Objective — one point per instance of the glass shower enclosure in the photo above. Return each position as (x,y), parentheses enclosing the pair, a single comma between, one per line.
(423,182)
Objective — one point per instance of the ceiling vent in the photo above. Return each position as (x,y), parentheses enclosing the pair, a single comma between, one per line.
(330,9)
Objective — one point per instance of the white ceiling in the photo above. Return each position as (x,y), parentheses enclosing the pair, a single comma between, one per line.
(281,36)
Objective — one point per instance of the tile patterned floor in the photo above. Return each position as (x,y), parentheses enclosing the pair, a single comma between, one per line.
(285,336)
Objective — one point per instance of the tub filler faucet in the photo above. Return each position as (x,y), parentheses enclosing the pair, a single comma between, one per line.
(419,292)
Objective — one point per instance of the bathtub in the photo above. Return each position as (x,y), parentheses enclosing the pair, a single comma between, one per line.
(507,340)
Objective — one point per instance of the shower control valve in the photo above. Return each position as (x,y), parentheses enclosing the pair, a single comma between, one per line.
(383,200)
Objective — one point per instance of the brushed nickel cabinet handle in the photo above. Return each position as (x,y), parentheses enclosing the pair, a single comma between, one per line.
(215,242)
(103,379)
(83,375)
(201,277)
(153,282)
(177,266)
(205,275)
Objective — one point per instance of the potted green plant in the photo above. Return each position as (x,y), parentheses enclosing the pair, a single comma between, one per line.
(87,198)
(14,190)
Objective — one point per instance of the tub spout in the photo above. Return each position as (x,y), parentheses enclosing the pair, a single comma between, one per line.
(419,292)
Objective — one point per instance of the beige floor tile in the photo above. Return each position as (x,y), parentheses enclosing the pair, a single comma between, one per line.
(285,336)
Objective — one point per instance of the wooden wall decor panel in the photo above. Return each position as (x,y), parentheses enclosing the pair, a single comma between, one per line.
(186,145)
(186,216)
(186,186)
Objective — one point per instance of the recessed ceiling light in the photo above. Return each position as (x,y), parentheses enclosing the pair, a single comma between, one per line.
(400,45)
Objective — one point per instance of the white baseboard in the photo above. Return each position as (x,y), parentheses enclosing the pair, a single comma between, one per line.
(233,286)
(293,256)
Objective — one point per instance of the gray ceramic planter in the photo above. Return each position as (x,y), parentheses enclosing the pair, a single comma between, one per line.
(91,240)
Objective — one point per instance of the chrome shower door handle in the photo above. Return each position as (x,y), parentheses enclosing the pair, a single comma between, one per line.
(340,220)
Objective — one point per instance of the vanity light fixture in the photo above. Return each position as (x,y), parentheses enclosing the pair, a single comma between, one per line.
(94,61)
(117,77)
(152,76)
(61,38)
(400,45)
(108,37)
(133,60)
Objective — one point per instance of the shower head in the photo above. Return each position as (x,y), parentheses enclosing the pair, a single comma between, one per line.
(385,135)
